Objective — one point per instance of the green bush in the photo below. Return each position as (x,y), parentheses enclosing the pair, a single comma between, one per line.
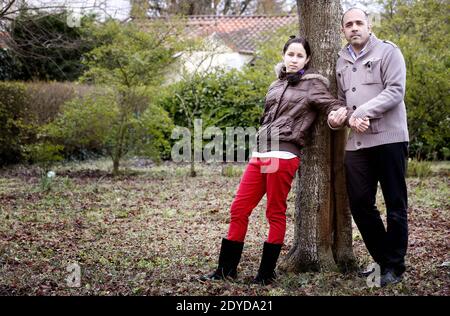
(44,154)
(84,124)
(95,123)
(9,66)
(153,133)
(418,168)
(231,171)
(219,99)
(15,132)
(420,29)
(45,99)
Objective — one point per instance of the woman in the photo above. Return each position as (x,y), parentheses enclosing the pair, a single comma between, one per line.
(291,106)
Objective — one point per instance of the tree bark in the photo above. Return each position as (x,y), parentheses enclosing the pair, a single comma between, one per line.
(323,232)
(116,162)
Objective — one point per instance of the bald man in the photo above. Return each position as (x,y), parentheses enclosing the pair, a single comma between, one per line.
(371,76)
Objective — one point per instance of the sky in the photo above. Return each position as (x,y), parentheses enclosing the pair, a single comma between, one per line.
(120,9)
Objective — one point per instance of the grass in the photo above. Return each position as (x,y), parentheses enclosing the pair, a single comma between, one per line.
(153,230)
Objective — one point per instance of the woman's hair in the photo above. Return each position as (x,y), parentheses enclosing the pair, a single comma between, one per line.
(301,40)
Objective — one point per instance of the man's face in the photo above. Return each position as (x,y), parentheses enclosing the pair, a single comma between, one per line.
(356,28)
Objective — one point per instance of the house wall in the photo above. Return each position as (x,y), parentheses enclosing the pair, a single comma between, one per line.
(222,57)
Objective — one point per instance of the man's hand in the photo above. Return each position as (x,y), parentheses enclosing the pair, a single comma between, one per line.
(359,125)
(337,118)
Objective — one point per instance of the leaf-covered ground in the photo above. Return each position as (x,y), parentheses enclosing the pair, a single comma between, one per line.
(154,230)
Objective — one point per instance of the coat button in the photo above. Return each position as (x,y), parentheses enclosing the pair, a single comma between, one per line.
(354,107)
(358,143)
(354,69)
(339,75)
(353,89)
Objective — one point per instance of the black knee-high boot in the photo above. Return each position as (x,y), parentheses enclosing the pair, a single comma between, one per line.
(266,273)
(230,255)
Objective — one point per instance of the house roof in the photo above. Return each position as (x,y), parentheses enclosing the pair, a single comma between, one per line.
(240,33)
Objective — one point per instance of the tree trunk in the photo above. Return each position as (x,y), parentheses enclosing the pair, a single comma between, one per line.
(192,172)
(323,232)
(116,166)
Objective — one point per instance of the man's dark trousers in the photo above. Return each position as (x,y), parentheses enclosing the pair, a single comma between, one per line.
(366,167)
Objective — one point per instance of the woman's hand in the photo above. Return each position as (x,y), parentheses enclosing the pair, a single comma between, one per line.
(337,118)
(359,125)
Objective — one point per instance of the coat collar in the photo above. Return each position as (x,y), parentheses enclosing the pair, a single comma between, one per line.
(308,75)
(344,53)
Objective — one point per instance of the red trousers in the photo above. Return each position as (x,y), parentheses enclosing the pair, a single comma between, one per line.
(263,175)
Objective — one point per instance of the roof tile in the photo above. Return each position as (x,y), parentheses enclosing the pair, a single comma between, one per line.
(240,33)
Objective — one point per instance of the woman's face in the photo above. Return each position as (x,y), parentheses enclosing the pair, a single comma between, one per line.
(295,57)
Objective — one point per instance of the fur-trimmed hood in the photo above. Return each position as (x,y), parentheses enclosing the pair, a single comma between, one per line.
(309,74)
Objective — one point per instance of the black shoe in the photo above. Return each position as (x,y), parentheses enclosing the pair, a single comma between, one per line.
(266,273)
(230,255)
(390,278)
(219,274)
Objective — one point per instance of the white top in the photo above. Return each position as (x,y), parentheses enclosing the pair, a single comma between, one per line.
(274,154)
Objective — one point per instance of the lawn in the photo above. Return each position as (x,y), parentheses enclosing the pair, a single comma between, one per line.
(154,230)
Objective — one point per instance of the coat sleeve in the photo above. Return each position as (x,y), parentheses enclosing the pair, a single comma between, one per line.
(341,97)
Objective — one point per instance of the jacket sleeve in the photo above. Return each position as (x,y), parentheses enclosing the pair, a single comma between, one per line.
(394,78)
(322,99)
(341,97)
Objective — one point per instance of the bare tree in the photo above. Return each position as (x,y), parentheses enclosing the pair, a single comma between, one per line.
(6,6)
(323,231)
(230,7)
(269,7)
(213,7)
(190,7)
(44,32)
(363,4)
(253,7)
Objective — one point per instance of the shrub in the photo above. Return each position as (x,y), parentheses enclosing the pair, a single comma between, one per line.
(231,171)
(420,29)
(84,124)
(45,99)
(96,123)
(44,154)
(419,169)
(15,132)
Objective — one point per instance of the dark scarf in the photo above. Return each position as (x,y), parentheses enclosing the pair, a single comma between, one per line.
(292,77)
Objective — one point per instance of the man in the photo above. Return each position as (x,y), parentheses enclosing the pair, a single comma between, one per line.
(371,77)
